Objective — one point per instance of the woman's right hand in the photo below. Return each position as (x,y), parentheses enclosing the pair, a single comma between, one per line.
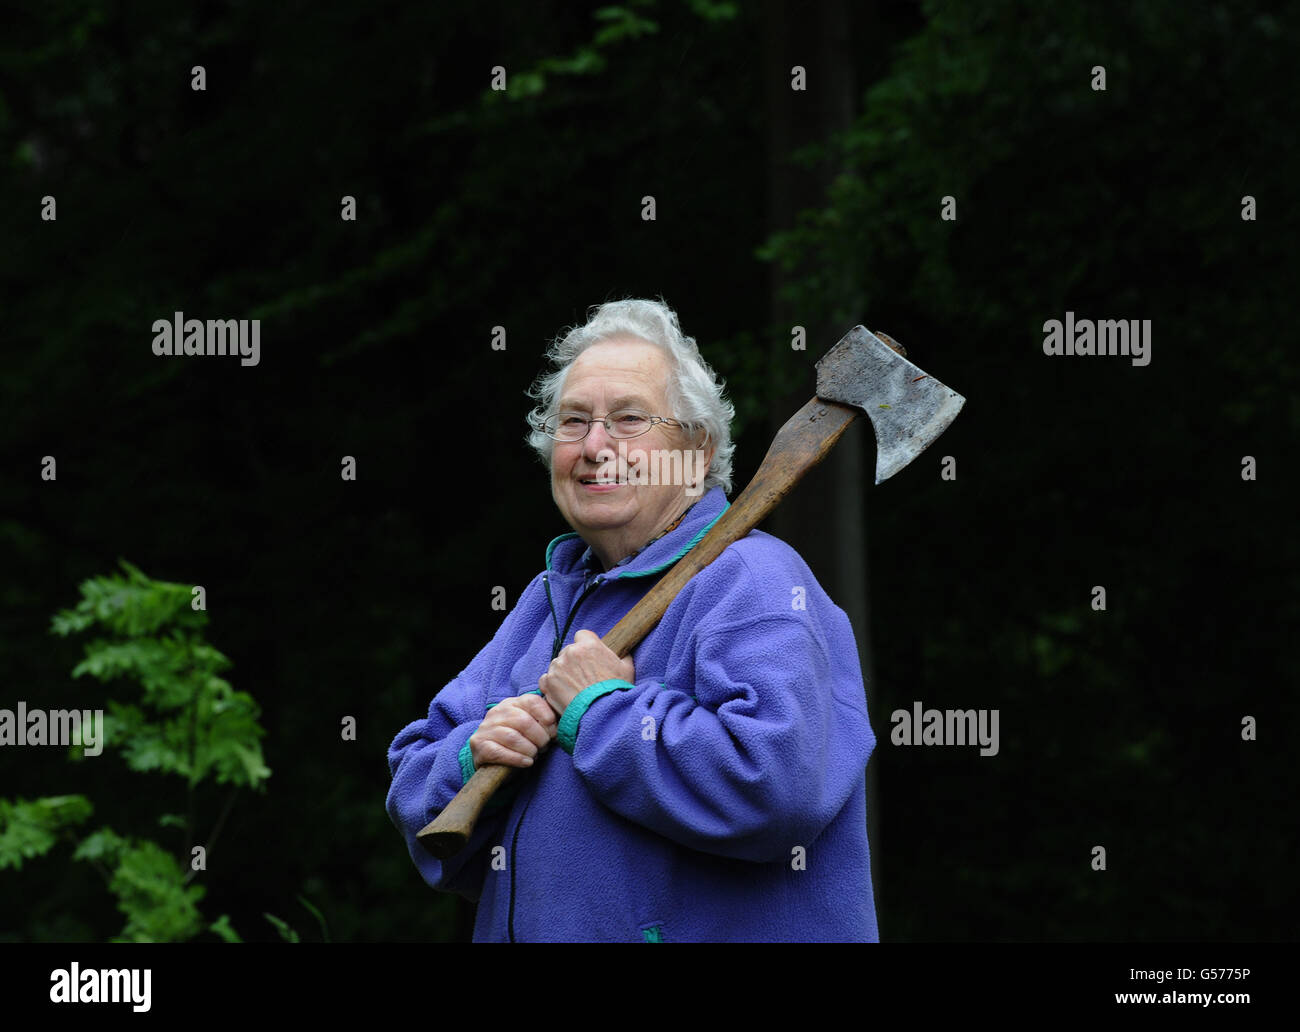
(514,732)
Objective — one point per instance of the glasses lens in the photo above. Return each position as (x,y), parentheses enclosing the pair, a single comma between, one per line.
(627,423)
(567,426)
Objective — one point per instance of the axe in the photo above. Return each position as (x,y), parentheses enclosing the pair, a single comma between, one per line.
(864,372)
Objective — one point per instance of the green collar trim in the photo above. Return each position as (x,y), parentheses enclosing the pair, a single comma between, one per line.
(551,547)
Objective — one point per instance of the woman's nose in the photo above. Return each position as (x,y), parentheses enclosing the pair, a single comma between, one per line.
(597,442)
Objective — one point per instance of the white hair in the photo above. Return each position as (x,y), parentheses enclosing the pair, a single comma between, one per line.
(695,394)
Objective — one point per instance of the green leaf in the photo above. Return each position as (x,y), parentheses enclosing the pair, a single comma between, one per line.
(222,927)
(151,891)
(286,933)
(710,10)
(251,758)
(320,918)
(104,844)
(31,829)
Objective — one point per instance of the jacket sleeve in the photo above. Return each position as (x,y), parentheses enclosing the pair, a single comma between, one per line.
(429,762)
(756,756)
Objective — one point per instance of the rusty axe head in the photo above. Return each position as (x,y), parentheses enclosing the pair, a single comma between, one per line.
(907,407)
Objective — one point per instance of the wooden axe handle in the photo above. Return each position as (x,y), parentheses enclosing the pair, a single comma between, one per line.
(803,442)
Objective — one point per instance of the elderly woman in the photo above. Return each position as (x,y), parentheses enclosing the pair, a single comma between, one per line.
(711,785)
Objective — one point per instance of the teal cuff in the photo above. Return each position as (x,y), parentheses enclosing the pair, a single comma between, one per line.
(466,757)
(567,733)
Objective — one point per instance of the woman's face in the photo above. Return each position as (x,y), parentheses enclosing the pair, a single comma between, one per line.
(616,518)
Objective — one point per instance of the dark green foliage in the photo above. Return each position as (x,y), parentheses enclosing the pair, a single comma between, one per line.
(188,722)
(30,829)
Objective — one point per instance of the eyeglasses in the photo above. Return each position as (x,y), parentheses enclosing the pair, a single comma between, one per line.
(621,425)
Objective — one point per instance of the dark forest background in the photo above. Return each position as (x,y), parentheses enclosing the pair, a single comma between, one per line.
(775,207)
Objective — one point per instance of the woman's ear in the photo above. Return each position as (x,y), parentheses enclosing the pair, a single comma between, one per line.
(701,459)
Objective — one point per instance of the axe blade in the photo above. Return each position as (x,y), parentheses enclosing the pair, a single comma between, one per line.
(907,407)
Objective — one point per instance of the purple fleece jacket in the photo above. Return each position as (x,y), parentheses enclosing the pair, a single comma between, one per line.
(722,797)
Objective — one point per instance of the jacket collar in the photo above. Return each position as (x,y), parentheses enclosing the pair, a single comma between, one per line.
(565,555)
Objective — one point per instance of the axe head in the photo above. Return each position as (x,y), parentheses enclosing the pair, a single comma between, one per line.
(907,407)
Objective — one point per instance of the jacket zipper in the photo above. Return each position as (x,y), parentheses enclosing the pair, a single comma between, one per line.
(555,651)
